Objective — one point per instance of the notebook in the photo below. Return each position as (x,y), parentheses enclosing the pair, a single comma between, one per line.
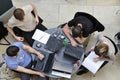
(75,52)
(46,64)
(90,64)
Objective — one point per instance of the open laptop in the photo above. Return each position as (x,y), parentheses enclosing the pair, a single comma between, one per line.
(46,64)
(54,44)
(75,52)
(62,69)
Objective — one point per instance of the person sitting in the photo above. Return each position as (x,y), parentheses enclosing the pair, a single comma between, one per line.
(85,22)
(19,60)
(24,22)
(105,48)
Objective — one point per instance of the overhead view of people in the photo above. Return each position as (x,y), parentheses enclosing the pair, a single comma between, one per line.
(24,22)
(18,59)
(84,24)
(85,45)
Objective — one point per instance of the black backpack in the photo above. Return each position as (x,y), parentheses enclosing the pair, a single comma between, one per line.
(3,33)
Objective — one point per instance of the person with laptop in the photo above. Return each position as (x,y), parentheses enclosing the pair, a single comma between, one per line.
(85,25)
(24,22)
(18,59)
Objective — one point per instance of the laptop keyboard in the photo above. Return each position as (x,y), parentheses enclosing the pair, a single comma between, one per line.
(55,42)
(46,64)
(39,65)
(75,52)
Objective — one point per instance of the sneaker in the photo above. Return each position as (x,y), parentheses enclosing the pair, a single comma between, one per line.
(1,64)
(82,72)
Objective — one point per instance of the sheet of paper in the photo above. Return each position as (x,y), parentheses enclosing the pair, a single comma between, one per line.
(90,64)
(60,74)
(41,36)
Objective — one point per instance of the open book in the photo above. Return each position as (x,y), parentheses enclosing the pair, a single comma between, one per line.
(41,36)
(90,64)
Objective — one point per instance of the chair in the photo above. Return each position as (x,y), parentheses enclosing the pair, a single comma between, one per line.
(97,25)
(6,11)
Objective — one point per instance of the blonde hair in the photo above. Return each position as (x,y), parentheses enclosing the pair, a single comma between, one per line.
(102,49)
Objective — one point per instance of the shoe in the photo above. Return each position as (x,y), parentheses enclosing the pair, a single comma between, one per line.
(1,64)
(82,72)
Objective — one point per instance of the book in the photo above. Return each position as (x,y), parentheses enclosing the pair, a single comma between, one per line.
(90,64)
(41,36)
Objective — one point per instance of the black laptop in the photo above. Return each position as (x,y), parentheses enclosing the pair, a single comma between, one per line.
(46,64)
(54,43)
(74,52)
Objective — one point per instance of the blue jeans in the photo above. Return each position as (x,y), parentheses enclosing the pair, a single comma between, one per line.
(25,76)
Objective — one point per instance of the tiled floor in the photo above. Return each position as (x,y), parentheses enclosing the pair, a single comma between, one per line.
(55,12)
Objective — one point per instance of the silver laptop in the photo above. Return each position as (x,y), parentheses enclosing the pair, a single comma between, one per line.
(62,67)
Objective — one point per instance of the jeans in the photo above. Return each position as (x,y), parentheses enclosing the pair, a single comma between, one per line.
(25,76)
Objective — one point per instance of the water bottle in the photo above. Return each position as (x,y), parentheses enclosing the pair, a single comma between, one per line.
(65,42)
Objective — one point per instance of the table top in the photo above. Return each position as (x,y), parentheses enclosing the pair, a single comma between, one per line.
(59,56)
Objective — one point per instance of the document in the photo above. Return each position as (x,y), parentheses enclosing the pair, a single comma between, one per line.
(41,36)
(90,64)
(61,74)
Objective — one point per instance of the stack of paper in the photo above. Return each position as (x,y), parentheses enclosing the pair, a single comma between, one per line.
(90,64)
(41,36)
(61,74)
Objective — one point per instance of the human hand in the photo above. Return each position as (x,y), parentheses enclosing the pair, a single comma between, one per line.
(41,74)
(73,43)
(92,49)
(36,20)
(40,56)
(77,63)
(97,59)
(19,38)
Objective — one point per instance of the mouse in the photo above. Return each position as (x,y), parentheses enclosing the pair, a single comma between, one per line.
(38,45)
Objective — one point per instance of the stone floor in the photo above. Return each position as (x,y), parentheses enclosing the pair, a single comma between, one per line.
(55,12)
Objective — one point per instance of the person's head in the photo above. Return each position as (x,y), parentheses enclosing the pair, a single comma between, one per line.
(12,51)
(102,49)
(19,14)
(77,31)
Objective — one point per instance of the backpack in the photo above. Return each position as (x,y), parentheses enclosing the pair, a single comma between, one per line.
(3,33)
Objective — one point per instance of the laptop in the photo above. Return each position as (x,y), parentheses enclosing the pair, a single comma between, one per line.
(62,69)
(54,44)
(46,64)
(74,52)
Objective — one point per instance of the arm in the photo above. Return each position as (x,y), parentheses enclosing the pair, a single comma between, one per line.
(28,71)
(81,40)
(35,12)
(10,30)
(32,50)
(68,33)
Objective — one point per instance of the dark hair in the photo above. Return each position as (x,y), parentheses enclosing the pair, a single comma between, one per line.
(101,50)
(77,31)
(19,14)
(12,51)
